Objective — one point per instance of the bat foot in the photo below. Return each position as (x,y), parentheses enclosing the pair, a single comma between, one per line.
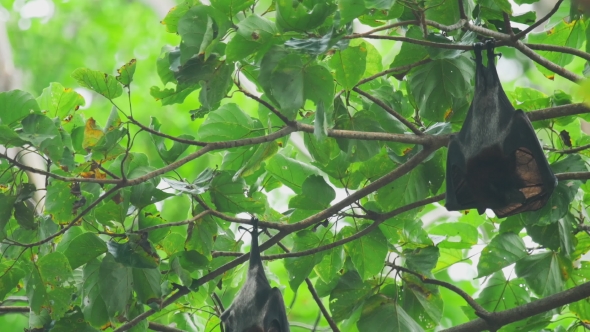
(477,48)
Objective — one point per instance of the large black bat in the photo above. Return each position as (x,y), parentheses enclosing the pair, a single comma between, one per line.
(496,160)
(258,307)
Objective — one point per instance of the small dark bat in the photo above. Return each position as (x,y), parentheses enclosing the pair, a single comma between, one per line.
(257,307)
(496,160)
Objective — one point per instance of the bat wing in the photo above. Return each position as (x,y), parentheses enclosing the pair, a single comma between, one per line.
(275,318)
(532,176)
(496,160)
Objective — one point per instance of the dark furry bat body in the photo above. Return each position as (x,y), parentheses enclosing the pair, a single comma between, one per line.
(258,307)
(496,160)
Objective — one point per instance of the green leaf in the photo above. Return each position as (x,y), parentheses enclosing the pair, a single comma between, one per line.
(36,291)
(457,235)
(137,252)
(15,105)
(6,208)
(299,268)
(544,273)
(287,84)
(59,300)
(196,28)
(101,83)
(59,101)
(289,171)
(43,134)
(318,85)
(227,123)
(174,15)
(423,303)
(115,282)
(504,250)
(167,155)
(73,320)
(83,249)
(349,65)
(201,236)
(316,194)
(25,215)
(54,269)
(228,195)
(422,260)
(10,276)
(434,85)
(93,306)
(301,16)
(146,283)
(126,72)
(331,263)
(563,34)
(348,295)
(231,7)
(500,294)
(367,252)
(381,313)
(253,34)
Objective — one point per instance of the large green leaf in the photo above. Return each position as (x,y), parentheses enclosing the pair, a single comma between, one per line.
(299,268)
(316,194)
(289,171)
(348,295)
(503,250)
(15,105)
(101,83)
(59,101)
(83,249)
(115,282)
(227,123)
(382,313)
(434,85)
(349,65)
(367,252)
(93,305)
(544,273)
(228,195)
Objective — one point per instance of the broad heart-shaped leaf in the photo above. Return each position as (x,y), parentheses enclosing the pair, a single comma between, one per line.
(137,253)
(59,201)
(146,283)
(126,72)
(174,15)
(445,12)
(409,188)
(558,204)
(11,275)
(499,294)
(93,306)
(302,15)
(15,105)
(73,320)
(332,262)
(59,299)
(6,208)
(289,171)
(348,295)
(253,33)
(146,192)
(54,269)
(422,302)
(457,235)
(84,248)
(299,268)
(349,65)
(422,260)
(200,26)
(316,194)
(357,150)
(59,101)
(563,34)
(503,250)
(101,83)
(201,236)
(381,313)
(227,123)
(9,138)
(318,85)
(229,195)
(287,84)
(43,134)
(544,272)
(216,88)
(36,291)
(115,282)
(434,85)
(367,252)
(167,155)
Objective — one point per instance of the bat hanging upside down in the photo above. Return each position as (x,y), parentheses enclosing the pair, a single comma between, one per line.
(496,161)
(257,307)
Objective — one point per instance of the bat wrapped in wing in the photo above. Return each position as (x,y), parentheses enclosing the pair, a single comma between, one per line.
(257,307)
(496,161)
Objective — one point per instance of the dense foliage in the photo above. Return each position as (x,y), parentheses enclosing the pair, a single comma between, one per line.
(327,120)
